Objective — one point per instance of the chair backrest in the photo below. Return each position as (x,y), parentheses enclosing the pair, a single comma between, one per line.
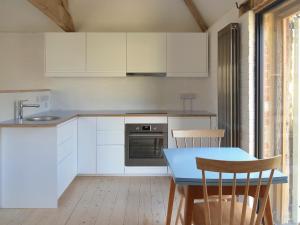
(198,138)
(234,168)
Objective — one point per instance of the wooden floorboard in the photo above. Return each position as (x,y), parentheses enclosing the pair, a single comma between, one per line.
(101,201)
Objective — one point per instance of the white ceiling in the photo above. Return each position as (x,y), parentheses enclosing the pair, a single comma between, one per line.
(114,15)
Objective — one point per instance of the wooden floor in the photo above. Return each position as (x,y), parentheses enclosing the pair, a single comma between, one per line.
(102,201)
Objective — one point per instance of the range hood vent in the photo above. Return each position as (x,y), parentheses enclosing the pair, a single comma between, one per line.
(146,74)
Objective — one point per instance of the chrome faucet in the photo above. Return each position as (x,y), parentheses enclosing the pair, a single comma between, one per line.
(20,108)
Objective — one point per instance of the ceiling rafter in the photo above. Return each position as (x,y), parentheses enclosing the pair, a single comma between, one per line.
(57,11)
(196,14)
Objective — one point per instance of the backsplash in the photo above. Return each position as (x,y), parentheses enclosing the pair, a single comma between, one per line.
(7,101)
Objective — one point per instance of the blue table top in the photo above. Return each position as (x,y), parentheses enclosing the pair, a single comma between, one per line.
(182,163)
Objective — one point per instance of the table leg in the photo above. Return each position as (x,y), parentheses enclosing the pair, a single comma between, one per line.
(189,205)
(171,201)
(268,217)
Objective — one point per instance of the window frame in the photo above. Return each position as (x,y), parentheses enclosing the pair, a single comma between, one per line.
(259,77)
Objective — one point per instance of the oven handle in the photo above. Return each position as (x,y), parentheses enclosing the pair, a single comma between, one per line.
(146,135)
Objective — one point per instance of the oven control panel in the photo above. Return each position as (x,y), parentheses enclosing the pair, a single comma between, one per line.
(140,128)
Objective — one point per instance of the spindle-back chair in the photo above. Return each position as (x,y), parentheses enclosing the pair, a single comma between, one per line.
(195,138)
(234,212)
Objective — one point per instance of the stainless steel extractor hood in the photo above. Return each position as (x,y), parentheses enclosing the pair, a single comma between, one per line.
(146,74)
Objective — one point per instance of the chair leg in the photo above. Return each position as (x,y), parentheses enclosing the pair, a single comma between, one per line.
(179,210)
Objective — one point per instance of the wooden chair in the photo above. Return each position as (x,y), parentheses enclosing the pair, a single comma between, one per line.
(234,212)
(195,138)
(198,138)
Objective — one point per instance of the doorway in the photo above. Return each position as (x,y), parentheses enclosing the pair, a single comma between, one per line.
(278,101)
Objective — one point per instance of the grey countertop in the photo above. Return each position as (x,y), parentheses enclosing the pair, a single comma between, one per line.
(67,115)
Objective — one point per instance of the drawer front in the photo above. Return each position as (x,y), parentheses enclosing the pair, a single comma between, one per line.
(110,124)
(66,131)
(65,149)
(110,159)
(66,172)
(110,138)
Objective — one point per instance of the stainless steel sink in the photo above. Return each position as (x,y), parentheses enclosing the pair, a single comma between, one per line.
(42,118)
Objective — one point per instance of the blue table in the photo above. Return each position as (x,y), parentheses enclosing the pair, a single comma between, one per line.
(182,163)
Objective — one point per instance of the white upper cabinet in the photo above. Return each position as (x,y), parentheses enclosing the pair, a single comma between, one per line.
(115,54)
(146,52)
(187,54)
(65,52)
(106,54)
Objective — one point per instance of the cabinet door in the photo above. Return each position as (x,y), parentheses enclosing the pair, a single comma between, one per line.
(110,159)
(110,137)
(185,123)
(67,154)
(106,54)
(110,124)
(65,174)
(187,54)
(64,52)
(146,52)
(87,145)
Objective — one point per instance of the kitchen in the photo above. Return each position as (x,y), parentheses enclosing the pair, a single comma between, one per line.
(103,103)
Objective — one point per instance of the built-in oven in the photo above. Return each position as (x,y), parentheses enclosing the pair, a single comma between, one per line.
(145,144)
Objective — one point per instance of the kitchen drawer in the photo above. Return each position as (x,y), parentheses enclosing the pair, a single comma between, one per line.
(110,124)
(65,149)
(110,138)
(110,159)
(87,147)
(66,131)
(66,172)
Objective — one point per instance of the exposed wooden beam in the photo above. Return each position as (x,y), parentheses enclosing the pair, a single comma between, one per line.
(56,10)
(259,5)
(196,14)
(244,7)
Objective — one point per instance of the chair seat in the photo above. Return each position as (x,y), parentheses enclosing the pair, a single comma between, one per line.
(180,190)
(199,213)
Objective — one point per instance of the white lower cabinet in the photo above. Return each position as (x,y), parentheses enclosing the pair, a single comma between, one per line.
(66,172)
(115,137)
(87,145)
(66,155)
(110,145)
(110,159)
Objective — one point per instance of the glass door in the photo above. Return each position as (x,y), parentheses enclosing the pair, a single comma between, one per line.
(280,103)
(146,146)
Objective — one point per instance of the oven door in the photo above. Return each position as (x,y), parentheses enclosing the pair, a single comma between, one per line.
(145,149)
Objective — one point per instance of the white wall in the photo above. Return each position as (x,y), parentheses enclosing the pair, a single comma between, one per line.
(22,66)
(22,16)
(247,69)
(113,15)
(22,63)
(7,101)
